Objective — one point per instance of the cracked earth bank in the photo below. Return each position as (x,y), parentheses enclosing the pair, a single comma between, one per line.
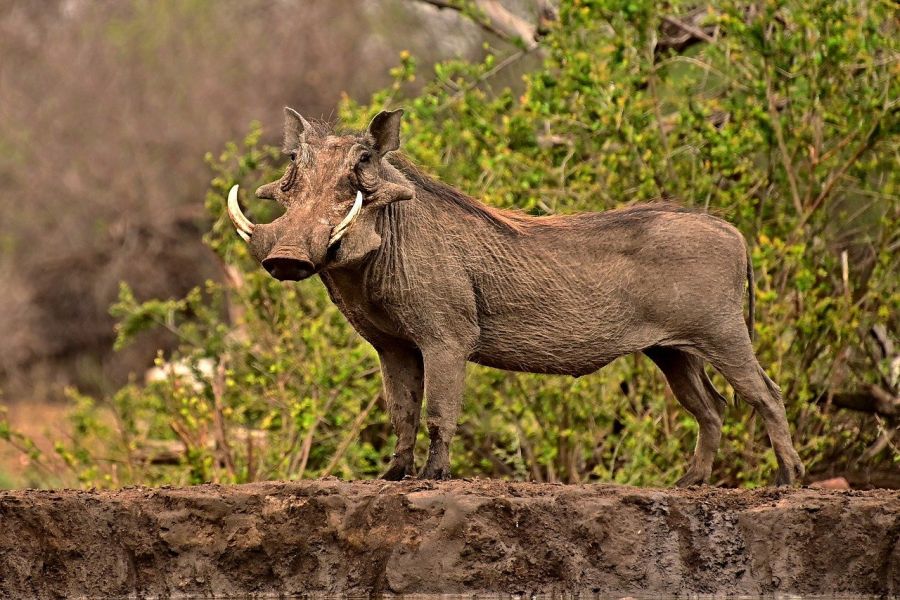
(331,537)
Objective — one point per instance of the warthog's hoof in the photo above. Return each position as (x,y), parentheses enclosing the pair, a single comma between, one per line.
(692,477)
(432,471)
(399,469)
(790,473)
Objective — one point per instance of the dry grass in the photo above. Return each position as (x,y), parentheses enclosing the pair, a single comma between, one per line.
(43,422)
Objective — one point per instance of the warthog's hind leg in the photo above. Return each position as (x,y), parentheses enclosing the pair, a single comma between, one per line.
(695,392)
(403,375)
(737,363)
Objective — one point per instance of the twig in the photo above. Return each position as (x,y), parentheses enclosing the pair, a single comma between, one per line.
(658,112)
(351,435)
(837,147)
(829,185)
(871,399)
(509,60)
(782,147)
(845,274)
(706,67)
(530,456)
(693,30)
(221,435)
(306,447)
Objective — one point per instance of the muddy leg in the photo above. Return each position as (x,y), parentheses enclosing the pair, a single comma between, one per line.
(739,366)
(692,388)
(445,372)
(402,373)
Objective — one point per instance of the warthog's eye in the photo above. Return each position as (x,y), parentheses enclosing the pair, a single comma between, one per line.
(293,156)
(364,158)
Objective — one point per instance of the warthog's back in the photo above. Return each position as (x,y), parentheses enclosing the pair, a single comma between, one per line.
(569,294)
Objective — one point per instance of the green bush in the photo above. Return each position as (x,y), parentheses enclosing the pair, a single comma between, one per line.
(783,120)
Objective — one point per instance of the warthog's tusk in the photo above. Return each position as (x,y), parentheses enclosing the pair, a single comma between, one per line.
(341,229)
(241,223)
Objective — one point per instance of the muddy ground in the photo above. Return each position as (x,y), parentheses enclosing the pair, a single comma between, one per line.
(478,536)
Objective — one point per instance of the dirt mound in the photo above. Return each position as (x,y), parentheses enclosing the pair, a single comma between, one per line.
(333,537)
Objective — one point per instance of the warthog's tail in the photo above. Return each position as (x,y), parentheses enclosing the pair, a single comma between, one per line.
(751,293)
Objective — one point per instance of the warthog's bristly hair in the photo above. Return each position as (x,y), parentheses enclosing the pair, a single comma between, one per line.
(434,188)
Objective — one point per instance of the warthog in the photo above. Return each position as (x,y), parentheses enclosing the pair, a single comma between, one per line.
(433,278)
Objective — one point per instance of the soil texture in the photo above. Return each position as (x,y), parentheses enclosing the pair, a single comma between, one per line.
(331,537)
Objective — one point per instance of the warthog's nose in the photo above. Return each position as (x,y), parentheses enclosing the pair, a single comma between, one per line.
(288,269)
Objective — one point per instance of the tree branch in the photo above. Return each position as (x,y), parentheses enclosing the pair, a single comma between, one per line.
(680,33)
(872,399)
(500,21)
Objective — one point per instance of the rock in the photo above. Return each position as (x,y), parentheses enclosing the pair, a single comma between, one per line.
(835,483)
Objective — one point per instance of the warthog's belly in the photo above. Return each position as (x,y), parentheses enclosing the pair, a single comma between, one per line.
(575,359)
(555,343)
(526,364)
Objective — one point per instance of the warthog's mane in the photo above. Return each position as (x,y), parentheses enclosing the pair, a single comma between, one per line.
(510,221)
(504,219)
(520,222)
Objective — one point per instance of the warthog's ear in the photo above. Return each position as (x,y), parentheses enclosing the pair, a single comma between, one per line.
(385,130)
(295,128)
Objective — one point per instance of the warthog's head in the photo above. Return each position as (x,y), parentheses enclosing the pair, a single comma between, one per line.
(331,192)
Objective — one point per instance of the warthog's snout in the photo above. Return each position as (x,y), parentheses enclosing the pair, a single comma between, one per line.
(288,268)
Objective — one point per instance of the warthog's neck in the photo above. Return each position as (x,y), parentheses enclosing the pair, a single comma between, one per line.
(426,249)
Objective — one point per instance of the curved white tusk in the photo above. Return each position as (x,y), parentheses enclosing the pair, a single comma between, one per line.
(339,231)
(241,223)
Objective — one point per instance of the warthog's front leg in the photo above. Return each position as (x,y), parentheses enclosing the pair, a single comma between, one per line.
(402,373)
(445,374)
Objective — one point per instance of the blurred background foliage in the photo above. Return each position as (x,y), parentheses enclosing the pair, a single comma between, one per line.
(780,117)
